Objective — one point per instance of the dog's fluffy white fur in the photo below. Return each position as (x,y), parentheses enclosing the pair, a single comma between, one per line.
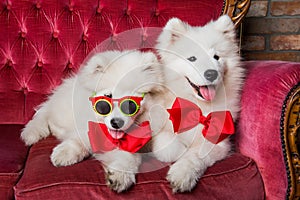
(67,111)
(201,64)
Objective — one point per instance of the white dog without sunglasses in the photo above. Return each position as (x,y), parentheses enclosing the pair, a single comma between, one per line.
(67,111)
(201,64)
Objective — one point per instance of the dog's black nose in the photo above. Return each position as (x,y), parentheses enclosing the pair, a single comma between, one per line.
(211,75)
(117,123)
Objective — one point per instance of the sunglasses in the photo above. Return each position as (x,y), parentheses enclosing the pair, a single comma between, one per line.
(129,105)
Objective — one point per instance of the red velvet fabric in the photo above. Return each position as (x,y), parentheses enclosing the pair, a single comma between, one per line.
(267,84)
(43,41)
(234,178)
(13,155)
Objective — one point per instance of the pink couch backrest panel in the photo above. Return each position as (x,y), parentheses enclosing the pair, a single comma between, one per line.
(42,42)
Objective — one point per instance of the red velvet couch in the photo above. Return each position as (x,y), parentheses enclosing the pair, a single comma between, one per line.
(43,41)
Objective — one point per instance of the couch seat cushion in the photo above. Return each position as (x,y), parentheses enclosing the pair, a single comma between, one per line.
(236,177)
(13,155)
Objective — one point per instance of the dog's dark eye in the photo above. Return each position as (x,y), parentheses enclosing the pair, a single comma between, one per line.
(216,57)
(129,107)
(192,58)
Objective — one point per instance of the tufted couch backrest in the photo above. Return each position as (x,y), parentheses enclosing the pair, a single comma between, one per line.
(43,41)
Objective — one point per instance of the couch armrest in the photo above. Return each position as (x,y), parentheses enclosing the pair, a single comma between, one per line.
(267,85)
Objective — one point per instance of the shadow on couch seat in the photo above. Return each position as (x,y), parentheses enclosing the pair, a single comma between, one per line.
(13,155)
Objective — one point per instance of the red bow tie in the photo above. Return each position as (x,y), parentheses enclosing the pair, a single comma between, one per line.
(134,139)
(185,115)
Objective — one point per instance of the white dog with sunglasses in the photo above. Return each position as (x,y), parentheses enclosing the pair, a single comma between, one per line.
(119,86)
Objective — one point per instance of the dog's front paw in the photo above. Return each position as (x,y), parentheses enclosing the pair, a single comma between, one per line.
(182,178)
(119,181)
(68,153)
(31,134)
(29,137)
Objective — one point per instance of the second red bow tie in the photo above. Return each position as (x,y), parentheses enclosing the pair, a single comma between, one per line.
(185,115)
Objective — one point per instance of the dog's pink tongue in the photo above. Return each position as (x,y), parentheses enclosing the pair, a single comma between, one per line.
(208,92)
(117,134)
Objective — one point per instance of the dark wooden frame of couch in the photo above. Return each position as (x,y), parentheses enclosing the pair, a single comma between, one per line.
(236,9)
(290,138)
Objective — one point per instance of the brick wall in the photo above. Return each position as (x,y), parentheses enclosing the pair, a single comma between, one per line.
(271,30)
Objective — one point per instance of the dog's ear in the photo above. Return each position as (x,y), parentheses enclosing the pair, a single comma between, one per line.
(151,66)
(149,61)
(91,70)
(176,27)
(172,31)
(95,64)
(225,25)
(151,73)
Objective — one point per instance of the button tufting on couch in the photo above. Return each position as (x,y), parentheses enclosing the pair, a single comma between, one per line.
(44,41)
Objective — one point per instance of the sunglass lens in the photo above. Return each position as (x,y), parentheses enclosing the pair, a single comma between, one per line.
(129,107)
(103,107)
